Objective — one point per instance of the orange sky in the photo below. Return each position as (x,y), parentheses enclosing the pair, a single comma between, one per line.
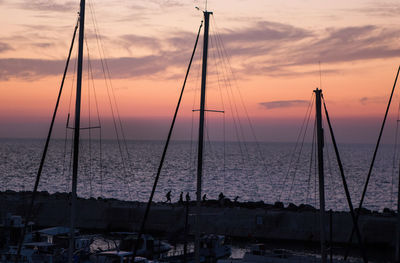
(274,49)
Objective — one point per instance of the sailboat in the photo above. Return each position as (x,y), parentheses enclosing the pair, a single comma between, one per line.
(72,246)
(197,255)
(213,244)
(80,24)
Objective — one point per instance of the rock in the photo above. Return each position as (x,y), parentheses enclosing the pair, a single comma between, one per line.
(305,207)
(363,211)
(388,212)
(292,207)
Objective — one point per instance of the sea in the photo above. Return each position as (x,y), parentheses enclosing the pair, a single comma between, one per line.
(248,171)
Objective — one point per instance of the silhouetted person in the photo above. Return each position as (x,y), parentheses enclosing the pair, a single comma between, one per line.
(236,199)
(181,198)
(168,196)
(221,199)
(204,197)
(187,197)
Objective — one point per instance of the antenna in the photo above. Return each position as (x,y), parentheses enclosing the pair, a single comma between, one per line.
(320,78)
(206,5)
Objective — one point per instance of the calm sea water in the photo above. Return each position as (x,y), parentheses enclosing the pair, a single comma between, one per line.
(254,172)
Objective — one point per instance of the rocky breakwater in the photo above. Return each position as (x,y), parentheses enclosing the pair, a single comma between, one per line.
(244,220)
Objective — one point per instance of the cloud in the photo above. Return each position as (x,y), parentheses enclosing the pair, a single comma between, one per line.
(283,104)
(369,100)
(167,53)
(265,31)
(379,9)
(140,41)
(47,5)
(43,44)
(167,3)
(333,45)
(350,44)
(5,47)
(28,68)
(266,48)
(260,39)
(123,67)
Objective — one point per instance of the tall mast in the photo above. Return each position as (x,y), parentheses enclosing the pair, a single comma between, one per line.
(76,131)
(201,135)
(320,139)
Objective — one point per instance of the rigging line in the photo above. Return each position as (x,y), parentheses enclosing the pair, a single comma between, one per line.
(90,72)
(315,172)
(39,173)
(65,150)
(73,83)
(207,121)
(316,217)
(230,95)
(261,155)
(329,163)
(258,149)
(233,116)
(89,115)
(119,145)
(394,166)
(299,155)
(241,97)
(224,77)
(207,132)
(105,75)
(113,116)
(309,108)
(238,118)
(240,135)
(311,162)
(223,109)
(372,162)
(346,189)
(143,224)
(101,47)
(213,48)
(193,149)
(66,126)
(99,124)
(101,163)
(70,160)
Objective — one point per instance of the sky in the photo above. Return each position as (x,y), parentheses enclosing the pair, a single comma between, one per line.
(265,59)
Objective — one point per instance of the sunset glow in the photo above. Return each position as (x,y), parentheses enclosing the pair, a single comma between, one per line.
(275,48)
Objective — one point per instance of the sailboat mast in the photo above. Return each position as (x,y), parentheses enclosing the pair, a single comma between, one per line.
(76,131)
(201,135)
(320,140)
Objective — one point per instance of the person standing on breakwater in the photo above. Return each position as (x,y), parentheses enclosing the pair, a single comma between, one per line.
(221,199)
(204,197)
(187,197)
(168,196)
